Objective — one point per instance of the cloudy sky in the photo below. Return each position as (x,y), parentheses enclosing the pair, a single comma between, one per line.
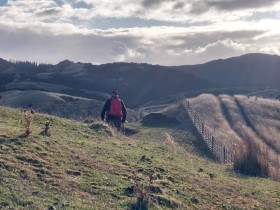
(165,32)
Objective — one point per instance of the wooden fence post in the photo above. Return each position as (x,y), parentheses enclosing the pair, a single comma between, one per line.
(212,143)
(225,155)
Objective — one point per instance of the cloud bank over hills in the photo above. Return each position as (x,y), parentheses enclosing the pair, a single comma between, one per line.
(166,32)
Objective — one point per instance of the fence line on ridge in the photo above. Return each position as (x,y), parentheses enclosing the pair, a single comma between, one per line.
(222,153)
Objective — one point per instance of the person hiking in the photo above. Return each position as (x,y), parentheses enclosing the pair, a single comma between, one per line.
(114,111)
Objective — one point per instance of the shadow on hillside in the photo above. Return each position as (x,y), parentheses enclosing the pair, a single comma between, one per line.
(184,132)
(5,139)
(130,131)
(3,136)
(199,145)
(159,120)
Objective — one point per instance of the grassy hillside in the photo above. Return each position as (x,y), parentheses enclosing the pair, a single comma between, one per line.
(158,103)
(264,116)
(83,166)
(242,121)
(57,104)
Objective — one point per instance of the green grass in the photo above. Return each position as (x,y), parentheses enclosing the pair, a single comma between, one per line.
(82,168)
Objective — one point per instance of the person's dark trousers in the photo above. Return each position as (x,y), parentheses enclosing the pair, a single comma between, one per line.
(115,121)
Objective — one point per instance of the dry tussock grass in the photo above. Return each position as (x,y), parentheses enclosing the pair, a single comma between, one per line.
(169,140)
(176,111)
(262,114)
(265,117)
(249,126)
(208,107)
(237,121)
(27,120)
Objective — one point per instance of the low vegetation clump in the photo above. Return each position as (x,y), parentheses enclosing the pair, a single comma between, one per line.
(27,120)
(102,127)
(46,130)
(142,191)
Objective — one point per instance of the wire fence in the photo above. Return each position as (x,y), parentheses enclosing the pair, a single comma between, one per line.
(220,151)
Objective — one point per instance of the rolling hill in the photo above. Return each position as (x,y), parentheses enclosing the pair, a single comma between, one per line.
(62,105)
(253,69)
(90,166)
(140,84)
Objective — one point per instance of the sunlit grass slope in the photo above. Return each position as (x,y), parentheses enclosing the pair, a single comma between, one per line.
(229,118)
(264,115)
(79,167)
(210,112)
(237,120)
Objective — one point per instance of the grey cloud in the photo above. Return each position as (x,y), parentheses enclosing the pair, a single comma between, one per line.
(229,5)
(201,54)
(199,8)
(153,3)
(48,48)
(49,12)
(143,53)
(119,48)
(179,5)
(241,4)
(194,40)
(107,47)
(142,50)
(31,4)
(220,49)
(150,3)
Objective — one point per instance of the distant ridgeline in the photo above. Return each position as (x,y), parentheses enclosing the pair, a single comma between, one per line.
(141,83)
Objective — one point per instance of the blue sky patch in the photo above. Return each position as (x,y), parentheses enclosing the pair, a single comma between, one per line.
(74,4)
(81,4)
(3,2)
(256,16)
